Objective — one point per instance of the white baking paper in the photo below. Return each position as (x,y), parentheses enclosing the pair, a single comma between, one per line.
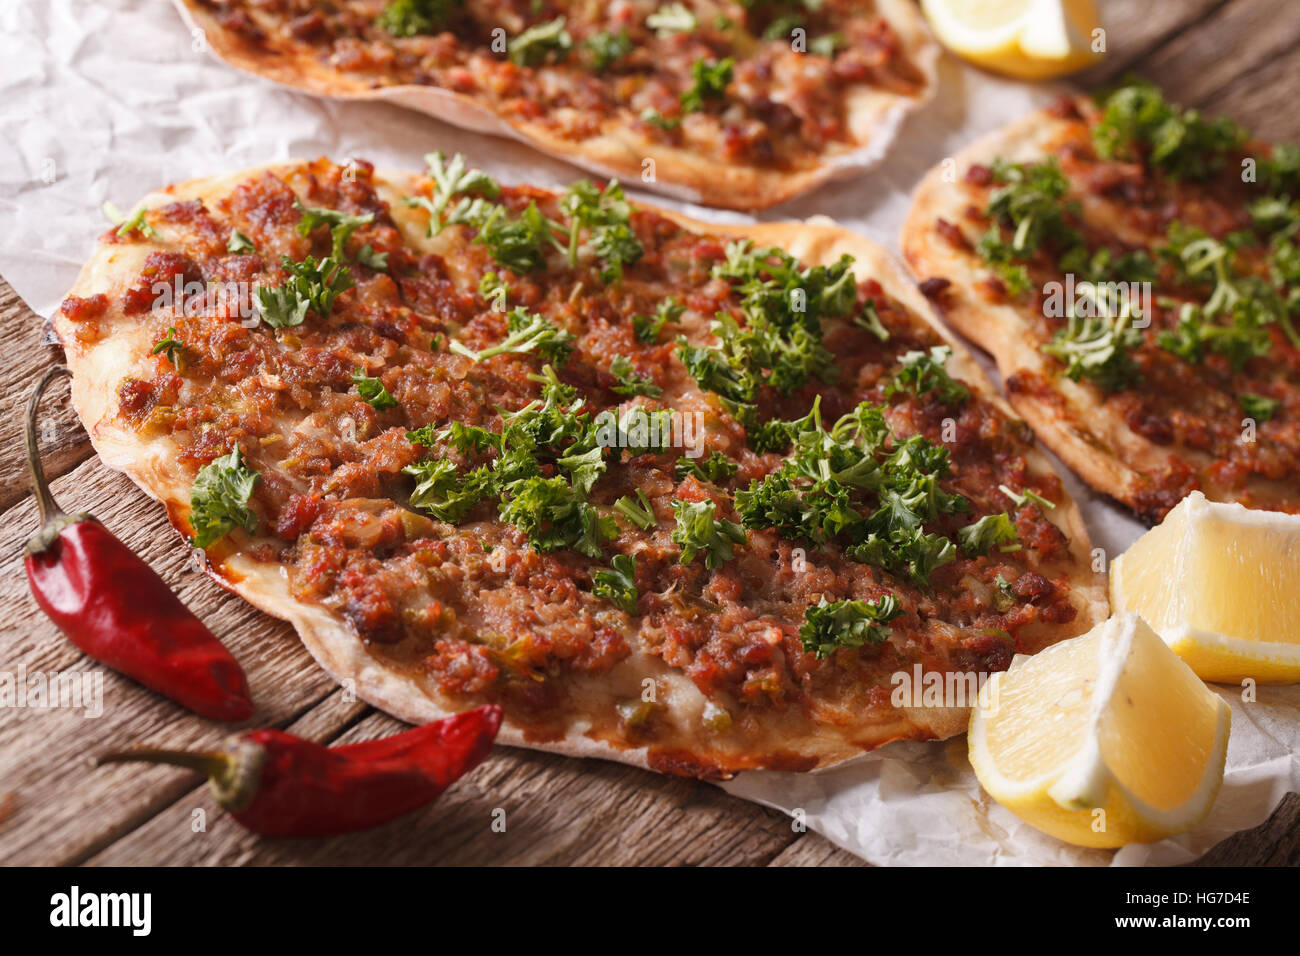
(110,100)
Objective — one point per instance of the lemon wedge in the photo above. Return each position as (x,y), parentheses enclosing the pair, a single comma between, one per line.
(1221,584)
(1029,39)
(1102,740)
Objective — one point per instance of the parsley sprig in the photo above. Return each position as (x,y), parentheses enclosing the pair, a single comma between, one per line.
(219,499)
(311,286)
(829,626)
(527,332)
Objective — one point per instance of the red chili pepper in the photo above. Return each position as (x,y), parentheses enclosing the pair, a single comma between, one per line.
(280,785)
(114,607)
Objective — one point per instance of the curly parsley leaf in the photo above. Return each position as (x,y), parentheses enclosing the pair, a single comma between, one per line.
(671,18)
(1262,408)
(716,468)
(829,626)
(451,179)
(618,584)
(373,391)
(986,533)
(544,43)
(922,372)
(555,515)
(629,381)
(709,82)
(527,332)
(637,511)
(700,531)
(311,286)
(1138,124)
(606,48)
(341,226)
(239,243)
(408,18)
(646,328)
(605,215)
(219,499)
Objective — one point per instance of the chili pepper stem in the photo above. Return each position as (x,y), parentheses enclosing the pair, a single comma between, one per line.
(233,773)
(49,508)
(53,518)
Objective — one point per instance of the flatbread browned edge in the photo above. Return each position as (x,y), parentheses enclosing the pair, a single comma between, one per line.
(1071,418)
(874,118)
(341,653)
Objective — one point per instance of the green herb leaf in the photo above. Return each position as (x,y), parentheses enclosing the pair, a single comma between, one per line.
(605,49)
(638,511)
(699,531)
(710,83)
(170,345)
(922,372)
(311,285)
(543,43)
(830,626)
(671,18)
(716,468)
(219,499)
(528,332)
(618,585)
(980,537)
(646,328)
(239,243)
(630,382)
(1259,407)
(373,391)
(408,18)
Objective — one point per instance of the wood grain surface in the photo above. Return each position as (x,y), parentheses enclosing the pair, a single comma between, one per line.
(1241,57)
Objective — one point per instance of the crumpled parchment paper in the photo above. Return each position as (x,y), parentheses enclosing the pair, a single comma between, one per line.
(111,100)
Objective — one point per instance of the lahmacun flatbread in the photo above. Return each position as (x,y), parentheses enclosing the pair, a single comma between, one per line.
(740,105)
(678,495)
(1131,267)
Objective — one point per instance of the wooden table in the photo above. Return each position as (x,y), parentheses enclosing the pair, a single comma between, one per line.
(1240,57)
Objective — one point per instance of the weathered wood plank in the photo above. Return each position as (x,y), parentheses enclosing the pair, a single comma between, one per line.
(64,443)
(555,811)
(1264,100)
(811,849)
(1192,65)
(1134,29)
(62,809)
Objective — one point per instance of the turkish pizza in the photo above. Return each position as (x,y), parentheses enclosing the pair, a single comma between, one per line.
(683,496)
(1133,268)
(737,103)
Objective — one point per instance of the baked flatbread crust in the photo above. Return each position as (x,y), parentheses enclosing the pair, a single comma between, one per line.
(99,364)
(874,119)
(1071,418)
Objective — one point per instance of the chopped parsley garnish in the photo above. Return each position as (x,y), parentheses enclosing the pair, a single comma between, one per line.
(1030,201)
(172,347)
(710,83)
(829,626)
(554,432)
(859,485)
(239,243)
(1138,125)
(373,391)
(341,226)
(618,584)
(700,531)
(989,531)
(311,286)
(605,48)
(1098,348)
(646,328)
(655,118)
(451,179)
(780,344)
(716,468)
(126,225)
(408,18)
(219,499)
(518,244)
(528,332)
(1022,497)
(629,381)
(922,372)
(671,18)
(543,43)
(604,214)
(637,510)
(1259,407)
